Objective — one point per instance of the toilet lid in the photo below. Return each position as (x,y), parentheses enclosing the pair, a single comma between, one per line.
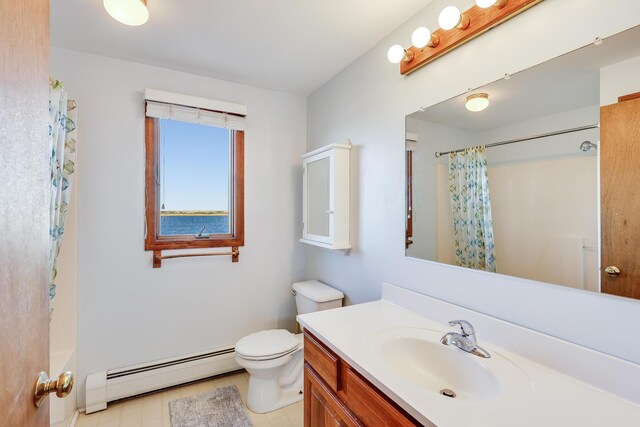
(267,343)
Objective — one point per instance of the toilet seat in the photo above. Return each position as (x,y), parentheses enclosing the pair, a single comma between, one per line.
(267,345)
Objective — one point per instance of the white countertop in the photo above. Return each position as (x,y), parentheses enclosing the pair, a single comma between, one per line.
(555,399)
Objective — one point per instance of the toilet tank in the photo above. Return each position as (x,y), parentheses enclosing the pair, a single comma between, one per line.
(313,295)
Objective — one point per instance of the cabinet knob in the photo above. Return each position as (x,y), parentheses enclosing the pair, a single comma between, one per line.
(329,212)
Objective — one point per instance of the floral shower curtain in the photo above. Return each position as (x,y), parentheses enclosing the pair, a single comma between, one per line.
(62,131)
(471,207)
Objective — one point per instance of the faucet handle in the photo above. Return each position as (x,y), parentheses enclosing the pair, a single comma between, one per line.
(466,327)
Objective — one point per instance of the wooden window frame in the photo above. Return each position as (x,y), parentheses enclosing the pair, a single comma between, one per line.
(154,242)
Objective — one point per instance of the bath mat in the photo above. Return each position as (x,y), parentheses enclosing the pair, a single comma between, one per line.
(217,408)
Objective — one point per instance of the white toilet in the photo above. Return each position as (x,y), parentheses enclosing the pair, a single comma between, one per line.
(275,358)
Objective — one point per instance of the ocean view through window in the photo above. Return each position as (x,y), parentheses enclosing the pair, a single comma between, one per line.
(194,175)
(194,172)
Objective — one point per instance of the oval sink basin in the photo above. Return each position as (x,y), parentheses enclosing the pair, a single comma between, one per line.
(418,358)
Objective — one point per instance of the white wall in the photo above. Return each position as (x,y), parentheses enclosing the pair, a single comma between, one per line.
(618,80)
(368,101)
(131,313)
(432,137)
(544,200)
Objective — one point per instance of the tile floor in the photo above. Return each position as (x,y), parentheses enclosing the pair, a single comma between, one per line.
(153,410)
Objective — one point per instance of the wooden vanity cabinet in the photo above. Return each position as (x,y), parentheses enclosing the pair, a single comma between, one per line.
(337,395)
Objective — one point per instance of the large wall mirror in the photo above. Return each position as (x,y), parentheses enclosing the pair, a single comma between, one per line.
(543,182)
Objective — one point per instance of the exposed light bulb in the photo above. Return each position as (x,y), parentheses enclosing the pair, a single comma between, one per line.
(477,102)
(397,53)
(450,18)
(129,12)
(488,3)
(422,37)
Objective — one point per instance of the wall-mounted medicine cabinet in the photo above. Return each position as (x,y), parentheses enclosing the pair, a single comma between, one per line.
(325,197)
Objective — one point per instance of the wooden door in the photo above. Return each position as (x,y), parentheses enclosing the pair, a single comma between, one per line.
(620,196)
(24,209)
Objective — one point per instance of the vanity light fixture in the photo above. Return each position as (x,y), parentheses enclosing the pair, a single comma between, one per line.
(397,54)
(422,37)
(477,102)
(128,12)
(451,18)
(488,3)
(475,21)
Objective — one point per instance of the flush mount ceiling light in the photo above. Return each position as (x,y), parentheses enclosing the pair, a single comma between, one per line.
(397,54)
(451,18)
(422,37)
(488,3)
(477,102)
(129,12)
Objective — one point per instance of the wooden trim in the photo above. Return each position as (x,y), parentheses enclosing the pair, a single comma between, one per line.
(481,21)
(150,187)
(157,259)
(409,199)
(629,97)
(155,243)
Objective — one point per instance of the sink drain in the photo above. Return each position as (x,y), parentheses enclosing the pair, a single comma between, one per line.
(448,393)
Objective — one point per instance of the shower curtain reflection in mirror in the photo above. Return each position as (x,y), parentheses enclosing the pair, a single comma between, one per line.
(471,209)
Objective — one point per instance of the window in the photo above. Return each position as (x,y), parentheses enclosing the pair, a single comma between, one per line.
(194,177)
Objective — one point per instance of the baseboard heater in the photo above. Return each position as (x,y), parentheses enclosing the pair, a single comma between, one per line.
(115,384)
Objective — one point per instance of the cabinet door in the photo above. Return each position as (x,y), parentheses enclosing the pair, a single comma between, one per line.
(318,198)
(370,406)
(321,407)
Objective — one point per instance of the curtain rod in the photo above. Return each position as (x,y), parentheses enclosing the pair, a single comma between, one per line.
(529,138)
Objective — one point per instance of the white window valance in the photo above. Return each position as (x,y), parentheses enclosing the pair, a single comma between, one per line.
(191,109)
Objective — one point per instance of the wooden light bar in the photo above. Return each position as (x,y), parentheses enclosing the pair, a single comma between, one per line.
(481,20)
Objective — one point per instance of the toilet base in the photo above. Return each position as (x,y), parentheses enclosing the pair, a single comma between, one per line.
(275,388)
(261,399)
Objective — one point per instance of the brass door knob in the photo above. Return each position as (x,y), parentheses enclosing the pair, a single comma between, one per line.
(612,270)
(61,386)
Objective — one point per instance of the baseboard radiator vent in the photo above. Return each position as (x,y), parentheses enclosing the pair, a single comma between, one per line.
(115,384)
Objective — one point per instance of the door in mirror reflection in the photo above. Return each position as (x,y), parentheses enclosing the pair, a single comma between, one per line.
(619,162)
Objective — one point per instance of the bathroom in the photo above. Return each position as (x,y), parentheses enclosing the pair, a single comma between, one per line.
(113,310)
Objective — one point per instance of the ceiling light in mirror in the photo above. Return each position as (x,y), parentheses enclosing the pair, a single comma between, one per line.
(128,12)
(450,18)
(488,3)
(422,37)
(477,102)
(397,53)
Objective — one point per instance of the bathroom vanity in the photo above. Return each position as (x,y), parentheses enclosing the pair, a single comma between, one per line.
(383,363)
(336,394)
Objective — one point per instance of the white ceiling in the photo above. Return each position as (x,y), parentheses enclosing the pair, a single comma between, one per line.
(565,83)
(288,45)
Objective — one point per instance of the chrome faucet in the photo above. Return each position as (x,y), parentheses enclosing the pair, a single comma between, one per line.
(465,341)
